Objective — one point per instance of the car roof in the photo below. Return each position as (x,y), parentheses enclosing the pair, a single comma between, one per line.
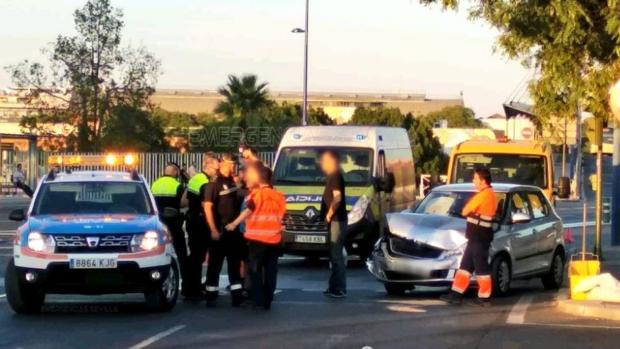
(498,187)
(92,176)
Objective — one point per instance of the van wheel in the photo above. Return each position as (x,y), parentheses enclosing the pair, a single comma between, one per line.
(397,289)
(555,277)
(164,297)
(22,298)
(501,275)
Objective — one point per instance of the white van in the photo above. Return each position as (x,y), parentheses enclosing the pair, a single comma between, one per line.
(378,170)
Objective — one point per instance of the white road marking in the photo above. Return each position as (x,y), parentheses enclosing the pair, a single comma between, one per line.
(2,295)
(7,232)
(6,248)
(1,282)
(517,314)
(580,224)
(159,336)
(572,326)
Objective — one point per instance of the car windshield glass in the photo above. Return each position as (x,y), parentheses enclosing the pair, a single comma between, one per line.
(505,168)
(444,203)
(92,198)
(300,166)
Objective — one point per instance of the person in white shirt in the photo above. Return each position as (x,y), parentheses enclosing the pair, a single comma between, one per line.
(19,179)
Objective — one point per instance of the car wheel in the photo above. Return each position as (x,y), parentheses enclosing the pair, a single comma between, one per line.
(501,275)
(555,277)
(22,298)
(164,297)
(397,289)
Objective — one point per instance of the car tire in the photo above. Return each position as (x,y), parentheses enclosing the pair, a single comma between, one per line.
(501,275)
(164,297)
(397,289)
(555,277)
(22,298)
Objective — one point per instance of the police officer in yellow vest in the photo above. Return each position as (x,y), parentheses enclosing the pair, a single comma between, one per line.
(197,229)
(168,192)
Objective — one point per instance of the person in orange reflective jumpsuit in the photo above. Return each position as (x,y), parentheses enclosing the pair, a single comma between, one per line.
(479,211)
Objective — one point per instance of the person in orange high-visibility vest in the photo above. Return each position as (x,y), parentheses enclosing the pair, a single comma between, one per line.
(265,208)
(479,211)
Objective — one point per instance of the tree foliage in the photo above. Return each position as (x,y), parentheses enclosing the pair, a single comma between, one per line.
(457,117)
(89,77)
(243,96)
(574,45)
(133,129)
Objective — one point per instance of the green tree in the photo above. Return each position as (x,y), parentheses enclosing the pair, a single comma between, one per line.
(133,129)
(379,116)
(574,45)
(89,75)
(243,96)
(457,117)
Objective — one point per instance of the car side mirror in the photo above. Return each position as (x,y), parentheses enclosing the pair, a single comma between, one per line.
(170,213)
(17,215)
(563,191)
(519,217)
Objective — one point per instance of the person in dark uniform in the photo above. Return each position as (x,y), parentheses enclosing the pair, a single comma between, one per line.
(197,229)
(480,212)
(168,192)
(222,206)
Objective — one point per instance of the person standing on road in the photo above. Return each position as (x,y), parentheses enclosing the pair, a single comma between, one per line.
(19,179)
(480,211)
(222,205)
(168,192)
(265,208)
(197,229)
(334,211)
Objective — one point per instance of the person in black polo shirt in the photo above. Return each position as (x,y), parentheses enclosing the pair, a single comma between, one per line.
(334,211)
(222,206)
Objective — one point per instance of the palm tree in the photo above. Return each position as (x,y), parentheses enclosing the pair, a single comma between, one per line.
(244,95)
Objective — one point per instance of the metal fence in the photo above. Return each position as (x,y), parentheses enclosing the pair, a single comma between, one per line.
(151,165)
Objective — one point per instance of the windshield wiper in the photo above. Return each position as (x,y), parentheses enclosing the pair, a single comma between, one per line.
(288,181)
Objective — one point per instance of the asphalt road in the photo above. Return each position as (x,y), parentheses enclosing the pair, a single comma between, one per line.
(302,318)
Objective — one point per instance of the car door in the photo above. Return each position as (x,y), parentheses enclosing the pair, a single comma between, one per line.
(521,234)
(545,230)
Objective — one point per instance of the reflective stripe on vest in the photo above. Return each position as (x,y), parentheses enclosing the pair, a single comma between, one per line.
(482,220)
(165,186)
(196,182)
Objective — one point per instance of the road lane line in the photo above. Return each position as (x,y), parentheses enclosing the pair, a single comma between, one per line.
(159,336)
(517,314)
(572,326)
(2,296)
(580,224)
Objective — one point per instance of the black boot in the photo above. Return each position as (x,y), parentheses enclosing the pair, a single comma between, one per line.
(237,297)
(211,298)
(481,302)
(453,298)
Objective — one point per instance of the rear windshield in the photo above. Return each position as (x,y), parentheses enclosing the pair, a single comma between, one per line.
(92,198)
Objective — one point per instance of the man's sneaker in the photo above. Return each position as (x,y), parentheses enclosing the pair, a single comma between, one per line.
(480,302)
(335,294)
(453,298)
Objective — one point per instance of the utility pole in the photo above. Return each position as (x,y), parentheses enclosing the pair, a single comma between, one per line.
(614,104)
(304,111)
(598,137)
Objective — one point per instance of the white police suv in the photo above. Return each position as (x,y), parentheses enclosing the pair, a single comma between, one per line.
(91,232)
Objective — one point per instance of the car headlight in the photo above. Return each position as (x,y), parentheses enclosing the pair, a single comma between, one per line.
(145,242)
(40,242)
(359,210)
(453,253)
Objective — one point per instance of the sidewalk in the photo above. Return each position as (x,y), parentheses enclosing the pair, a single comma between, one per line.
(596,309)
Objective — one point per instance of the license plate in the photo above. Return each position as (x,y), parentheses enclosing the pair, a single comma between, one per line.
(310,239)
(92,263)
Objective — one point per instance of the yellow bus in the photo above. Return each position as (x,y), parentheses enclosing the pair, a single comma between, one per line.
(518,162)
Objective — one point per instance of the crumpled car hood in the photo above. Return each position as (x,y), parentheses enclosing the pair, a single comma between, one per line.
(444,232)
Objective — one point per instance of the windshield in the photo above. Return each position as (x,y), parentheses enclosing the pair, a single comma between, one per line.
(451,203)
(299,166)
(505,168)
(92,198)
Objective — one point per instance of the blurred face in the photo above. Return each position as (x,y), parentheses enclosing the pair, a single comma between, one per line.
(227,168)
(211,166)
(252,178)
(328,163)
(478,182)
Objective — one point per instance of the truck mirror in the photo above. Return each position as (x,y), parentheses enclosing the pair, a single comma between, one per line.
(564,188)
(388,183)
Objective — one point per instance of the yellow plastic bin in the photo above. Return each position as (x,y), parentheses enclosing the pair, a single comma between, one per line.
(582,266)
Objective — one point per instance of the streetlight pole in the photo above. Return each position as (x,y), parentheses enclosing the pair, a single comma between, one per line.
(304,115)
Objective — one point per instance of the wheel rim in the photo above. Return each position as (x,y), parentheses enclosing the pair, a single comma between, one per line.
(558,269)
(503,276)
(170,285)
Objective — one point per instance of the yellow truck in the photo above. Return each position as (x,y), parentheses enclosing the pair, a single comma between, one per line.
(510,161)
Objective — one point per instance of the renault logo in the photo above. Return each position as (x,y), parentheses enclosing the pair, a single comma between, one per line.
(311,212)
(92,241)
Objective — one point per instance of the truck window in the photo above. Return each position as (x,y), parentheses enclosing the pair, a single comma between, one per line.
(300,166)
(505,168)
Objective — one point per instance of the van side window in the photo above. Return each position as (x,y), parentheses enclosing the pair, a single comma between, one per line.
(539,207)
(381,164)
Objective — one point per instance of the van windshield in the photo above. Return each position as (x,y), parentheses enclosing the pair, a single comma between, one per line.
(300,166)
(505,168)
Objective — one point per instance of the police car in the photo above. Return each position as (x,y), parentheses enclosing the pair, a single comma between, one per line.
(91,232)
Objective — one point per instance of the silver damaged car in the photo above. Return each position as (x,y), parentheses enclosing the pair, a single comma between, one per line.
(424,245)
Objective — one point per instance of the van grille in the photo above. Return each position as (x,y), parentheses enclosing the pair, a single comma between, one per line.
(412,248)
(299,222)
(112,243)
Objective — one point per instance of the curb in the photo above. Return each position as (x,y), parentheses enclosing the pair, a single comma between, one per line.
(595,309)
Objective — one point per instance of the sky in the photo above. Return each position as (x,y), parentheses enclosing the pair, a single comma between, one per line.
(387,46)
